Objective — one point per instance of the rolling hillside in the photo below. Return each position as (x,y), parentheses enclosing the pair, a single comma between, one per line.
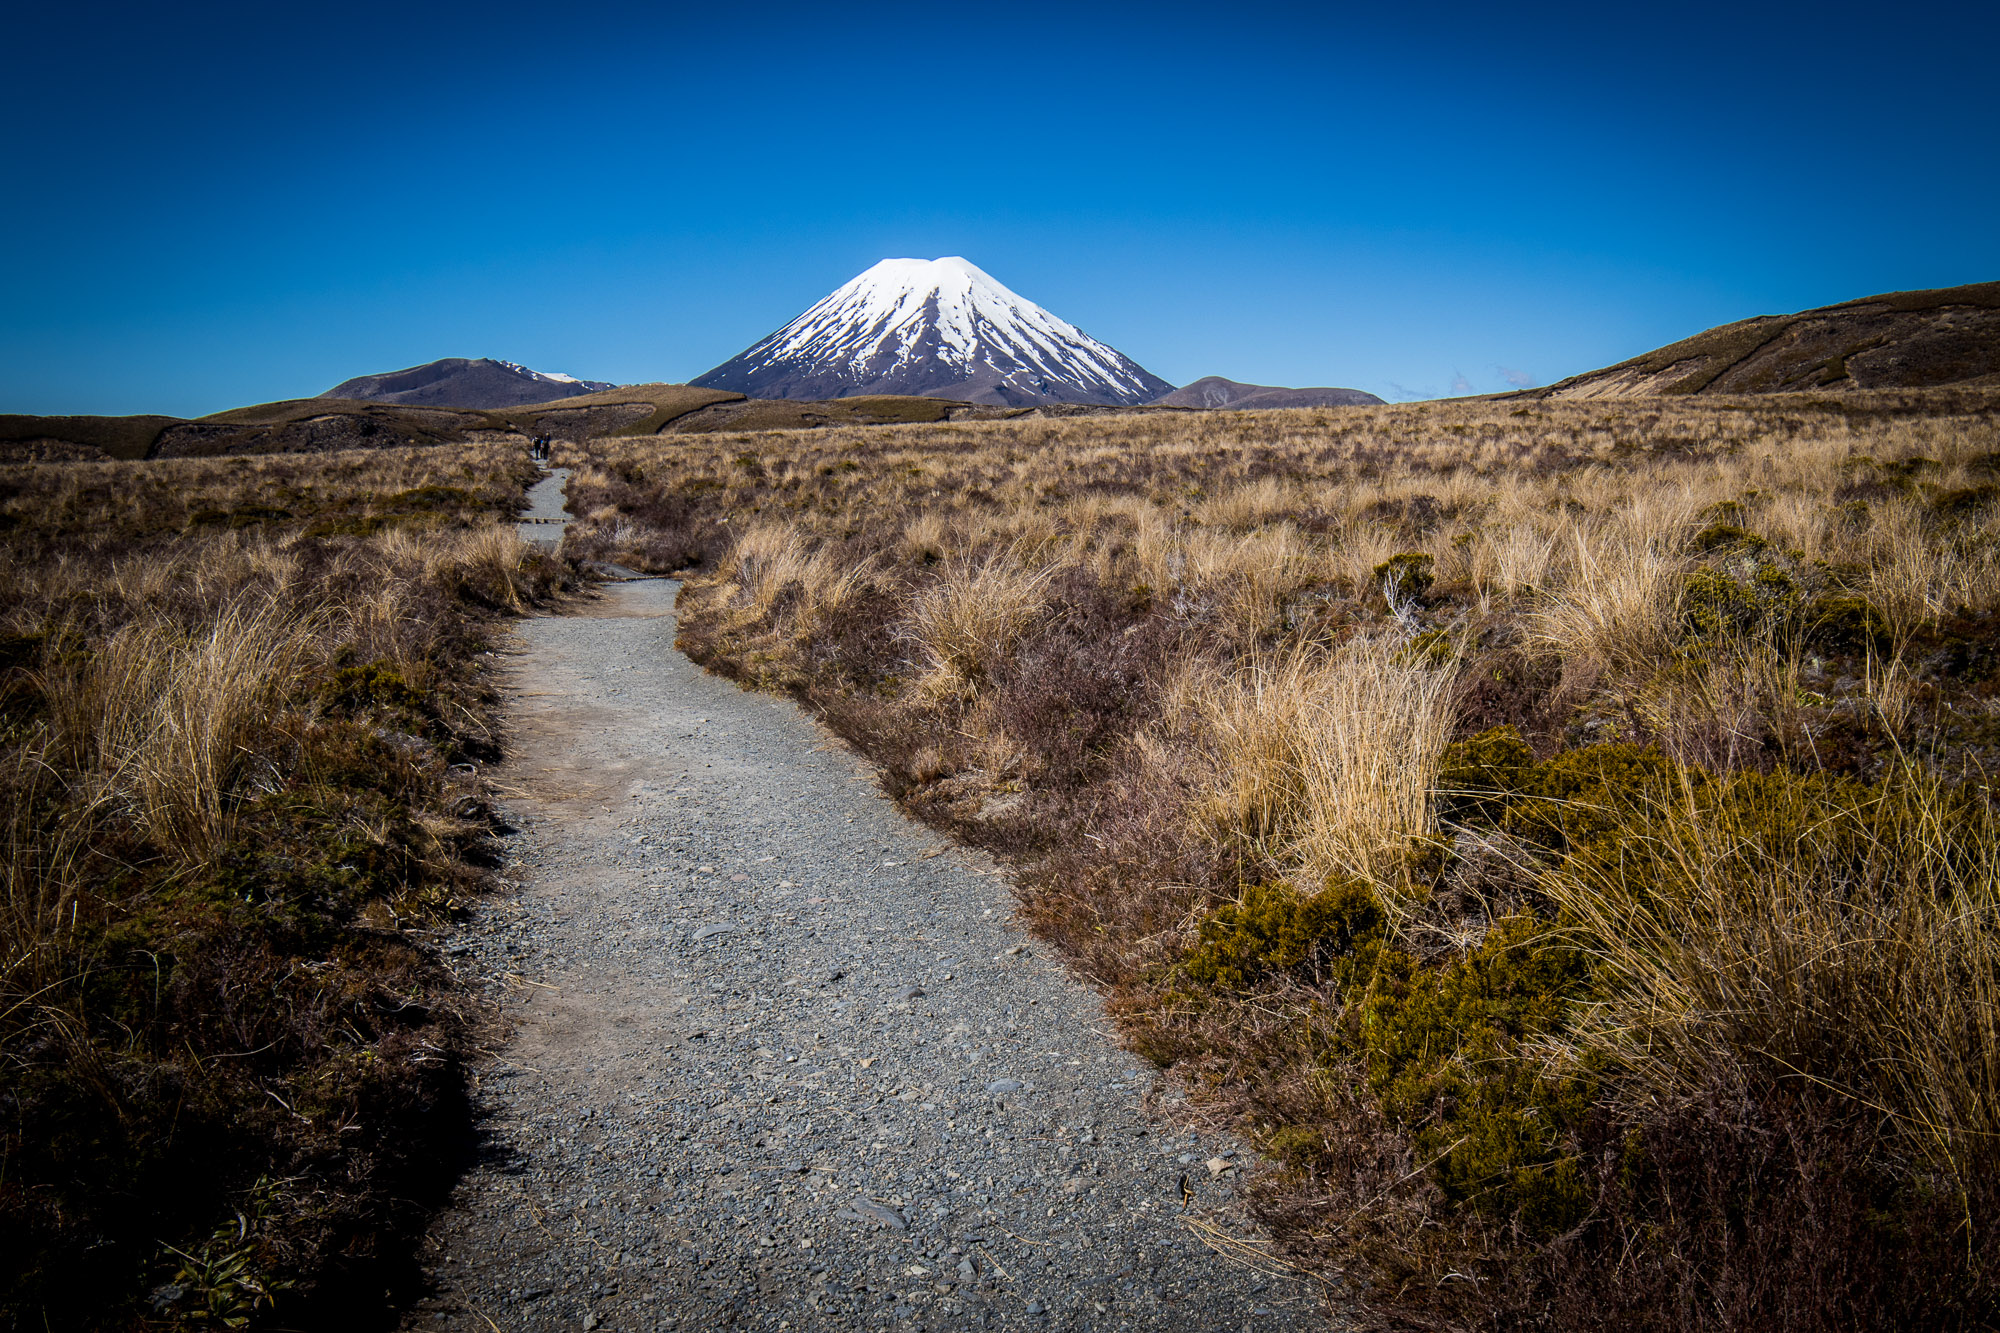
(459,382)
(1946,337)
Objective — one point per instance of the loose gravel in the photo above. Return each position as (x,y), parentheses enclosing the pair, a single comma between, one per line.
(546,516)
(780,1058)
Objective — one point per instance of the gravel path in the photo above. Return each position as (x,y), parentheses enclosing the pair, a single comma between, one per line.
(547,515)
(781,1058)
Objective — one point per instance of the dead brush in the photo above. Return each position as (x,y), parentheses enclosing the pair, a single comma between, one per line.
(762,563)
(773,562)
(1738,705)
(214,800)
(1225,555)
(46,851)
(490,559)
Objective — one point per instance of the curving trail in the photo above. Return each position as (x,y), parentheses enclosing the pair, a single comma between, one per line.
(780,1058)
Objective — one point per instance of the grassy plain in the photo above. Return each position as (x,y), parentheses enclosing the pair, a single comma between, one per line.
(1560,833)
(242,709)
(323,425)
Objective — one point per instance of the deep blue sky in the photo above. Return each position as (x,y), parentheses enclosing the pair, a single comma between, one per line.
(226,204)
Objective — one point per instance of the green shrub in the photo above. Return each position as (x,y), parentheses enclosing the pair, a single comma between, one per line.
(1563,804)
(435,498)
(1905,472)
(1443,1051)
(1727,537)
(1478,776)
(1967,503)
(1432,648)
(1748,596)
(353,689)
(1406,576)
(1588,801)
(243,516)
(1846,621)
(1327,935)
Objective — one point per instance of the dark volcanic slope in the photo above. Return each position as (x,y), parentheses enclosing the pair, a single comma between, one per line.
(1215,391)
(1902,340)
(936,328)
(457,382)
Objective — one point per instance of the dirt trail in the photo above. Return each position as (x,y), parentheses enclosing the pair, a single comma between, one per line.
(782,1059)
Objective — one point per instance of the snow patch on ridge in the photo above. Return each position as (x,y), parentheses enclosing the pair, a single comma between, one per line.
(552,377)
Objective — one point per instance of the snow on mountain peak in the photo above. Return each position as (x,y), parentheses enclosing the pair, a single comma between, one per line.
(941,326)
(551,376)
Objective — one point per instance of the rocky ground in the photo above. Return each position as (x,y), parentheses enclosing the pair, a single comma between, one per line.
(777,1057)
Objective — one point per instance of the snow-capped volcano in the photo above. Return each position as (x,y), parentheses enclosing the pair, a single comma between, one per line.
(939,328)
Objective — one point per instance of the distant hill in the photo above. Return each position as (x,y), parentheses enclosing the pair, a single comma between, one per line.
(935,328)
(1949,336)
(457,382)
(629,409)
(28,439)
(1215,391)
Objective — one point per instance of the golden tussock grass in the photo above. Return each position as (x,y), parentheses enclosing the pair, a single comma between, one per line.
(1323,762)
(1332,739)
(1851,949)
(970,615)
(170,714)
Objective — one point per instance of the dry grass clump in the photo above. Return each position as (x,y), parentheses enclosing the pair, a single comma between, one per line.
(764,563)
(238,767)
(1323,762)
(1618,605)
(1514,813)
(970,616)
(171,712)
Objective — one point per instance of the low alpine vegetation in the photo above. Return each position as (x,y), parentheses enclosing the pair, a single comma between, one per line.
(1562,834)
(242,711)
